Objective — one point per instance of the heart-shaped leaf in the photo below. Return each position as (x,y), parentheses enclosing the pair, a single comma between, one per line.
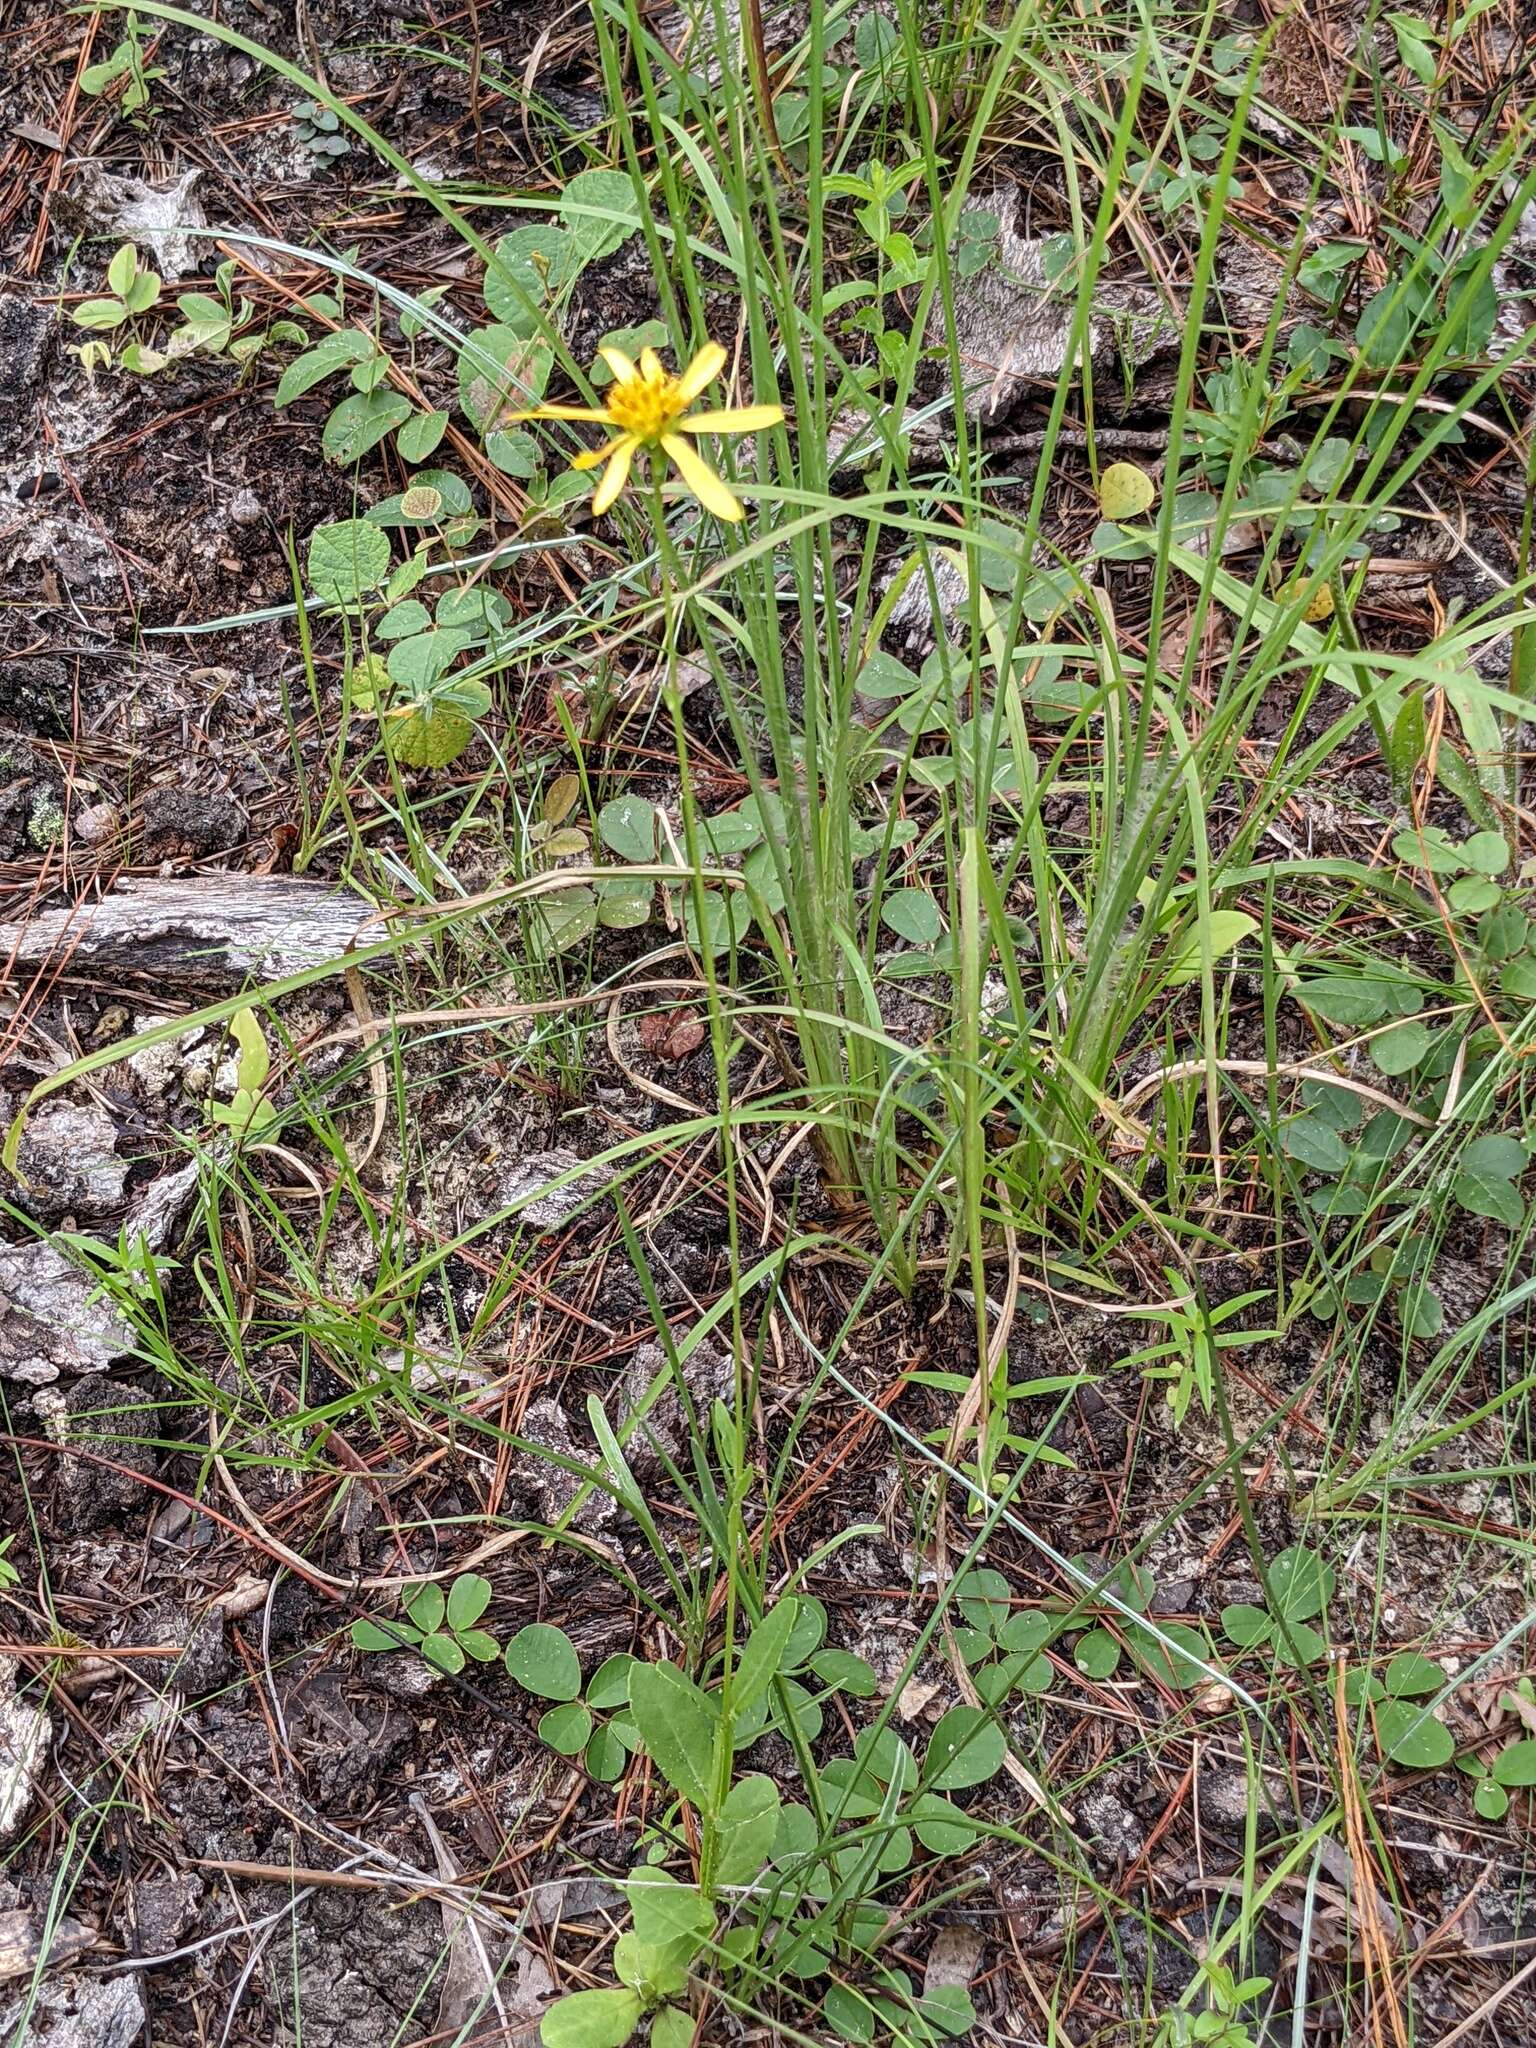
(627,826)
(346,558)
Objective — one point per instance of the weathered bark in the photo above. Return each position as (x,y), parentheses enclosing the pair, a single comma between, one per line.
(209,931)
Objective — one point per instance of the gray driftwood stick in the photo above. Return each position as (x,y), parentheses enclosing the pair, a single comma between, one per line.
(208,931)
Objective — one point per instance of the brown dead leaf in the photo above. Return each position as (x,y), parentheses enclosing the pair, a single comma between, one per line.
(33,131)
(670,1035)
(242,1598)
(915,1698)
(953,1959)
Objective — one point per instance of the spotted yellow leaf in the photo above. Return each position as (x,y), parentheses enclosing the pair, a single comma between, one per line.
(1125,491)
(370,680)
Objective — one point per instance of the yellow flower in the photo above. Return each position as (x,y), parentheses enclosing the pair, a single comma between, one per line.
(649,408)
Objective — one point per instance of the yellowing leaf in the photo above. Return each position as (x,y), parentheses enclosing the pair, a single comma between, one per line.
(567,840)
(560,798)
(421,501)
(1125,491)
(253,1062)
(1226,930)
(370,680)
(428,735)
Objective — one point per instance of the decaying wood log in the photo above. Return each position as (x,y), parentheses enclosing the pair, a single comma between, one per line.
(21,1943)
(206,931)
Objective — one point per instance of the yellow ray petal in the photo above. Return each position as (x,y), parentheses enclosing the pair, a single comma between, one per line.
(650,366)
(620,454)
(704,369)
(557,412)
(589,458)
(623,369)
(696,473)
(732,419)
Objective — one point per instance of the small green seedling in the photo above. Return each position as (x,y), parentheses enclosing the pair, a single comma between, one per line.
(1187,1360)
(248,1109)
(1003,1649)
(1513,1768)
(426,707)
(592,1723)
(126,62)
(1098,1652)
(1221,2024)
(132,291)
(319,128)
(1301,1584)
(671,1926)
(212,323)
(1399,1705)
(441,1627)
(1395,1273)
(824,1882)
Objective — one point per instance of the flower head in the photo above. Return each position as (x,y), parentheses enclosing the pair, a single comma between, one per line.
(648,407)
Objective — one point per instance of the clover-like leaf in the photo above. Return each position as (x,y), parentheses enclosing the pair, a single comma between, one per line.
(468,1598)
(606,1757)
(1516,1764)
(1411,1736)
(1246,1626)
(563,919)
(1490,1801)
(1313,1142)
(913,914)
(627,826)
(966,1748)
(1301,1583)
(426,1606)
(543,1660)
(367,1635)
(1402,1047)
(1409,1674)
(566,1727)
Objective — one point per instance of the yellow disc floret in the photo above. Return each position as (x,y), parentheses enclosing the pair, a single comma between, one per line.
(649,403)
